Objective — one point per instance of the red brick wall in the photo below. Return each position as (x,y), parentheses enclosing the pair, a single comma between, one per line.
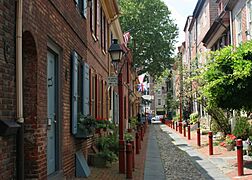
(62,23)
(7,86)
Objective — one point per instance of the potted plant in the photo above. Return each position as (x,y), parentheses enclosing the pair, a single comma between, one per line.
(128,137)
(85,126)
(108,149)
(230,142)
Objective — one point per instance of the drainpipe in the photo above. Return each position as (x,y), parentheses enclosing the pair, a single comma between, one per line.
(231,28)
(19,91)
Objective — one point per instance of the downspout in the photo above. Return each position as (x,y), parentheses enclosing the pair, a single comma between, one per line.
(19,91)
(231,27)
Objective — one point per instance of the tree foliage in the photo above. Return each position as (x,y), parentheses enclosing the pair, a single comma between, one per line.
(153,33)
(228,78)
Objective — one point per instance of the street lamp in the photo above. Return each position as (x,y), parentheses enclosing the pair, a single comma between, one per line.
(116,53)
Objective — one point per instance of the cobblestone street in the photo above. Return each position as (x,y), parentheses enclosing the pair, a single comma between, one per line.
(177,164)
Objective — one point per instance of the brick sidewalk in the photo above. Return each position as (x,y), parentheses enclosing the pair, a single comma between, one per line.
(220,152)
(112,172)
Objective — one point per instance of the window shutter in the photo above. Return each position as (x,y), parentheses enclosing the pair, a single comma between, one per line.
(84,11)
(74,92)
(86,89)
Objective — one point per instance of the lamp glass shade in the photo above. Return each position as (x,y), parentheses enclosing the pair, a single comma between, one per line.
(115,51)
(116,56)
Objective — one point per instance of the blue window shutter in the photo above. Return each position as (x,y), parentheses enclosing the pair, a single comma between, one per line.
(86,89)
(84,11)
(74,97)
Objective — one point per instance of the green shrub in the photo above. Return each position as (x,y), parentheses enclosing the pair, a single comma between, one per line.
(128,137)
(215,127)
(133,122)
(177,117)
(242,128)
(194,118)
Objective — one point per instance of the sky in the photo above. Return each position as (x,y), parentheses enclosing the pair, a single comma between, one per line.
(180,9)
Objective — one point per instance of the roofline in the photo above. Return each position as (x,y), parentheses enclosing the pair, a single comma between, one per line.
(198,8)
(187,20)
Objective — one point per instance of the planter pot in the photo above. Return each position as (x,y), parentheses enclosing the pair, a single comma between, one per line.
(230,147)
(84,134)
(97,161)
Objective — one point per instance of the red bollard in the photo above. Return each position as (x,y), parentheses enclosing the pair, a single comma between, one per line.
(121,156)
(129,161)
(210,140)
(142,133)
(184,130)
(239,157)
(139,140)
(189,132)
(137,143)
(198,136)
(176,126)
(180,127)
(133,154)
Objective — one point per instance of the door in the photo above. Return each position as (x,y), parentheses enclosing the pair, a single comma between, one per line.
(51,112)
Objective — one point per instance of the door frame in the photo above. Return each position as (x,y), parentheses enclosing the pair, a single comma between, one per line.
(53,48)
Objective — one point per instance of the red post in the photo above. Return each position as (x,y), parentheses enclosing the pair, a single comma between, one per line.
(240,157)
(180,127)
(189,132)
(133,154)
(176,126)
(198,136)
(139,139)
(121,156)
(121,127)
(129,161)
(210,140)
(142,133)
(173,124)
(184,130)
(137,143)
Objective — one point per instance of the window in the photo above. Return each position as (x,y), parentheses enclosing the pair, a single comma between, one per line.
(82,6)
(79,88)
(249,18)
(94,17)
(101,29)
(105,33)
(239,28)
(159,101)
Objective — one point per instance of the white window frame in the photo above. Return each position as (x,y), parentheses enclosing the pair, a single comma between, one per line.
(249,19)
(238,28)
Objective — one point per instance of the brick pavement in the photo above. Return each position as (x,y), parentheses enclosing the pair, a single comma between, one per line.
(227,159)
(112,172)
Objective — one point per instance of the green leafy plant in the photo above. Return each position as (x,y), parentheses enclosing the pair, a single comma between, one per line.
(86,123)
(108,155)
(242,128)
(128,137)
(194,118)
(102,124)
(133,122)
(230,139)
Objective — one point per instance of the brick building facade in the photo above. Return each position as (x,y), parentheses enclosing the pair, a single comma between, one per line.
(7,86)
(66,65)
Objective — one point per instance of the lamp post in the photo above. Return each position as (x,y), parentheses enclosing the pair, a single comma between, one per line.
(116,53)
